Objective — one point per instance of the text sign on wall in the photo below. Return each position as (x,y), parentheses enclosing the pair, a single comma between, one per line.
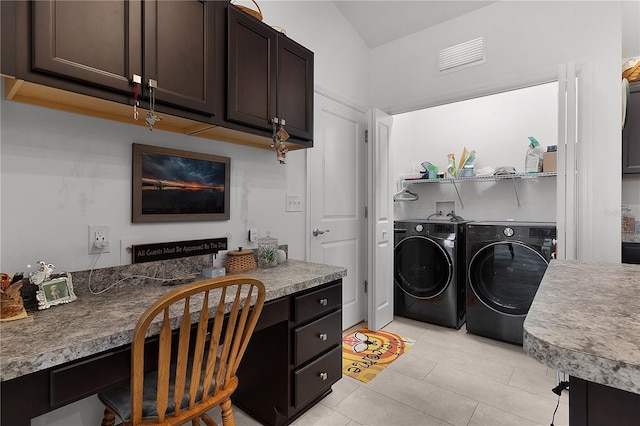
(162,251)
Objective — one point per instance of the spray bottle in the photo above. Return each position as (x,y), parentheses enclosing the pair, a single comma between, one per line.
(533,160)
(451,166)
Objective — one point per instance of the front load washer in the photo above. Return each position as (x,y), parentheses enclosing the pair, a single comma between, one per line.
(429,271)
(505,264)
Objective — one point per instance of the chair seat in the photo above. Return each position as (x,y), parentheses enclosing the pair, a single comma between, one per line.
(118,398)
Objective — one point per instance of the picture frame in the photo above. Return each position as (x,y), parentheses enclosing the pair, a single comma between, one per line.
(55,292)
(172,185)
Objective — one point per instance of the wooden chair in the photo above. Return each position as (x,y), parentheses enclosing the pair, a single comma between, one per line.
(198,371)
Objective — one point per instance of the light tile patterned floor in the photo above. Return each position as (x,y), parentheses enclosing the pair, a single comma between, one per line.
(448,377)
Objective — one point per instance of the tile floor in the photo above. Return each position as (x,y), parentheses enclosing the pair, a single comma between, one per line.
(448,377)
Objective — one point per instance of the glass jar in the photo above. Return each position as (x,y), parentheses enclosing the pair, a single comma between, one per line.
(267,251)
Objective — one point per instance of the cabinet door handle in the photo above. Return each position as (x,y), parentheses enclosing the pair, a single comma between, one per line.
(324,302)
(324,376)
(323,336)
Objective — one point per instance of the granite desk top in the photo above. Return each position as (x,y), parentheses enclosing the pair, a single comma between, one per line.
(97,323)
(585,322)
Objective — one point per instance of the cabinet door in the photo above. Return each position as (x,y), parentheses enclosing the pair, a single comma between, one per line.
(295,88)
(96,42)
(631,134)
(251,71)
(182,53)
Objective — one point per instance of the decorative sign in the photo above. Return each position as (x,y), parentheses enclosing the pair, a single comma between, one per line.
(142,253)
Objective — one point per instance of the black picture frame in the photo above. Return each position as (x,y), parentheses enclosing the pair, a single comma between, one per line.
(172,185)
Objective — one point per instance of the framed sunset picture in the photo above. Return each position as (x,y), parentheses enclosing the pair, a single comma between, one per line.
(171,185)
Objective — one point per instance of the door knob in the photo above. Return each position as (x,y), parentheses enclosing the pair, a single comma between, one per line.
(317,232)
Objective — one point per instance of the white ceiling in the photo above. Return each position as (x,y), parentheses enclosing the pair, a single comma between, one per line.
(382,21)
(379,22)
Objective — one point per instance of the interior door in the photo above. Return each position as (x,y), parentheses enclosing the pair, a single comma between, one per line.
(380,222)
(337,188)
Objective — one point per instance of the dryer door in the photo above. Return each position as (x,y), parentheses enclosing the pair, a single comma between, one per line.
(505,276)
(422,268)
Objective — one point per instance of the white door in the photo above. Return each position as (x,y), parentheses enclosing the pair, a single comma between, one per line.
(337,191)
(380,222)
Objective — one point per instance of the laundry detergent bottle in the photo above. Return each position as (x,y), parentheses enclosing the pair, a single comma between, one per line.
(533,160)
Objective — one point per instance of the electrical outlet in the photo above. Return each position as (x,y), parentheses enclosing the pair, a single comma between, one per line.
(98,239)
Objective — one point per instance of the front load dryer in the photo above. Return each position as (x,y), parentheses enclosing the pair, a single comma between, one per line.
(429,271)
(505,265)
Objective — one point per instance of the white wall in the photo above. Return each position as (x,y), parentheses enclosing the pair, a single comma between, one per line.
(526,41)
(496,127)
(61,172)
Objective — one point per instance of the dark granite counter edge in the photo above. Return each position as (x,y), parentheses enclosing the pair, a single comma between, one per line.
(568,340)
(583,366)
(31,363)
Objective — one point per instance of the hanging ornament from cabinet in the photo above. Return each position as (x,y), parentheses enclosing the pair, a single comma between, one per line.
(137,80)
(152,118)
(279,138)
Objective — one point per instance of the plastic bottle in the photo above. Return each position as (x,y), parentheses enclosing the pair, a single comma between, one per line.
(533,160)
(451,166)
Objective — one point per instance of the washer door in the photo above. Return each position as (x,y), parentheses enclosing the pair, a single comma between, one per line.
(505,276)
(422,267)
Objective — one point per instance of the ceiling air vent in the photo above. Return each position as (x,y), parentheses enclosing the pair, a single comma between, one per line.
(462,55)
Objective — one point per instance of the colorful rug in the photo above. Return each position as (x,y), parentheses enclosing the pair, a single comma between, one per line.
(366,353)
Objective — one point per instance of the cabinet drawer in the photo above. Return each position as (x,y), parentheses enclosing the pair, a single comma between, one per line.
(317,377)
(631,253)
(317,337)
(272,313)
(317,302)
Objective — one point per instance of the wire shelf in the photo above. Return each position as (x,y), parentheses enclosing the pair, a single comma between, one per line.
(512,176)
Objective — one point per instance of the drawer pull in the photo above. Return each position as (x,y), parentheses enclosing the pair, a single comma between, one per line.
(323,336)
(324,376)
(324,302)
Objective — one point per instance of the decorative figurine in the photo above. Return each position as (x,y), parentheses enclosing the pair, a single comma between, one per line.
(42,274)
(278,144)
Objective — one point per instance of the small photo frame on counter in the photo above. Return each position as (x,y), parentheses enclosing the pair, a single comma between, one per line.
(55,292)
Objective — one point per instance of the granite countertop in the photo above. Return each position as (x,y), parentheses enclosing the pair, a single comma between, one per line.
(585,322)
(97,323)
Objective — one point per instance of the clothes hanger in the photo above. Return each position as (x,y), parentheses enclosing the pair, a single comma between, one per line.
(405,195)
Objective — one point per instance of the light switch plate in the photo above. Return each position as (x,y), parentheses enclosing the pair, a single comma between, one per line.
(294,203)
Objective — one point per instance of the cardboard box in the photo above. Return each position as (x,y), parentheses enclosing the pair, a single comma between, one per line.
(550,161)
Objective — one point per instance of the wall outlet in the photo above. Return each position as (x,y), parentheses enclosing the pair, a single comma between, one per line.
(99,239)
(444,207)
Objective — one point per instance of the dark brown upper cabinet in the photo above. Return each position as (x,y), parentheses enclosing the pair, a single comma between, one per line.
(179,44)
(99,43)
(269,76)
(220,73)
(631,134)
